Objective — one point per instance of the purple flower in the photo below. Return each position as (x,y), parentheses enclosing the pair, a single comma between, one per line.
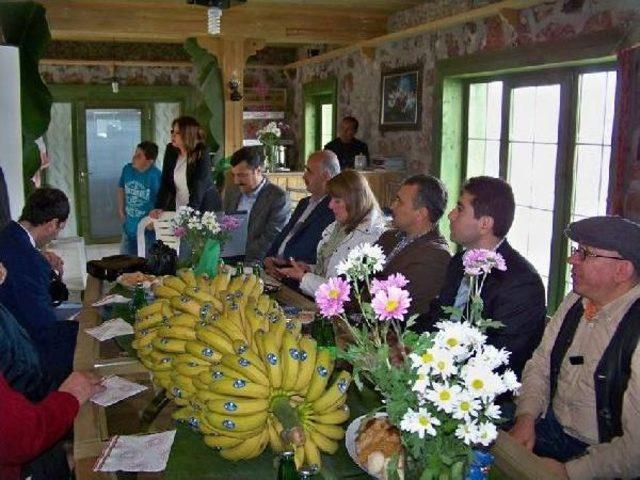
(393,280)
(391,303)
(331,296)
(179,232)
(229,223)
(479,261)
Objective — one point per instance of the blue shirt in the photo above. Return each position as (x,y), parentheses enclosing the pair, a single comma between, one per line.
(247,200)
(140,192)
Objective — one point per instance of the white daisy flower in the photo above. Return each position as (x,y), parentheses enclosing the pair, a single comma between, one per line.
(491,357)
(510,381)
(443,396)
(481,382)
(420,422)
(423,363)
(466,407)
(421,384)
(453,336)
(493,411)
(487,433)
(467,432)
(444,363)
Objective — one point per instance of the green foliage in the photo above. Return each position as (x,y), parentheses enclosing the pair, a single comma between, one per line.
(24,25)
(210,110)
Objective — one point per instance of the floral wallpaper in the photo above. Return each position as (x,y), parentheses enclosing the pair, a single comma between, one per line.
(359,76)
(81,74)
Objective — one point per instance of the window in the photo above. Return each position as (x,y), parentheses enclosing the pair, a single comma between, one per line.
(549,135)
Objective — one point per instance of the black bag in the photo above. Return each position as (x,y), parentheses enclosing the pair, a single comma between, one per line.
(162,259)
(110,268)
(57,289)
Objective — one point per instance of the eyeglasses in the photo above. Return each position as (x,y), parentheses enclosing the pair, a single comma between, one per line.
(582,253)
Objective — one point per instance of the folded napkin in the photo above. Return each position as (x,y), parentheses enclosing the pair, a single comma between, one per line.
(109,329)
(113,298)
(136,453)
(117,389)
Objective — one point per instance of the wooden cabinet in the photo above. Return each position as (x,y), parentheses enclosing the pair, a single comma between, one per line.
(384,185)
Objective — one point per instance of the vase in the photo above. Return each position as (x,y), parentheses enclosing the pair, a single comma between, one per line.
(270,158)
(480,465)
(209,259)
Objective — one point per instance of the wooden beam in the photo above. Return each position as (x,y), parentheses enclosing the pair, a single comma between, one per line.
(117,63)
(439,24)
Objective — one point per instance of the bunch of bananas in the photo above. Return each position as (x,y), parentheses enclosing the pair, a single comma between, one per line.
(240,371)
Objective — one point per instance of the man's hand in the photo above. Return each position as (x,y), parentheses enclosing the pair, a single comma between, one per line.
(524,431)
(296,270)
(554,466)
(55,261)
(155,213)
(82,385)
(271,268)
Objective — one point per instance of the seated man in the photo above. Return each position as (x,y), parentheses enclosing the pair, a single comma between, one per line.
(579,405)
(25,293)
(415,247)
(346,146)
(481,219)
(299,238)
(266,204)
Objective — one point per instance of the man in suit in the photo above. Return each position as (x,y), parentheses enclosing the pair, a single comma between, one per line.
(481,219)
(299,238)
(415,247)
(346,146)
(25,293)
(266,204)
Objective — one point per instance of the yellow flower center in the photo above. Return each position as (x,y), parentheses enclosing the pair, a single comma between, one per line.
(441,365)
(427,357)
(421,376)
(445,395)
(477,384)
(465,406)
(391,305)
(424,421)
(333,293)
(452,342)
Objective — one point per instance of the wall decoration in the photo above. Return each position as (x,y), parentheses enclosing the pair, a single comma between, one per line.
(400,99)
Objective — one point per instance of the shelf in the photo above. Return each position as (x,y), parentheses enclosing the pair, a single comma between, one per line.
(263,115)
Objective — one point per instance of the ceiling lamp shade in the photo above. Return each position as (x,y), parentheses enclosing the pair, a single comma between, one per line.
(213,20)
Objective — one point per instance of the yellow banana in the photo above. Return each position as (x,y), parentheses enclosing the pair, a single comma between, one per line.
(249,448)
(215,338)
(335,393)
(145,338)
(238,406)
(239,387)
(150,309)
(272,359)
(191,360)
(237,423)
(183,320)
(162,291)
(174,282)
(320,376)
(333,417)
(311,454)
(290,353)
(245,368)
(159,357)
(323,443)
(187,276)
(205,395)
(333,432)
(171,345)
(202,351)
(183,382)
(221,281)
(190,370)
(307,359)
(182,414)
(150,321)
(298,456)
(182,333)
(275,440)
(186,304)
(200,386)
(264,303)
(221,441)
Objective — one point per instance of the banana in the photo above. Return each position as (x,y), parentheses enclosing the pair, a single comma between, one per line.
(186,304)
(264,303)
(203,296)
(311,454)
(275,440)
(335,393)
(238,406)
(239,423)
(221,281)
(298,456)
(200,386)
(181,333)
(190,370)
(221,441)
(246,368)
(150,321)
(239,387)
(332,417)
(182,414)
(205,395)
(290,353)
(272,359)
(204,283)
(174,282)
(183,382)
(158,357)
(307,359)
(187,276)
(320,376)
(325,444)
(171,345)
(333,432)
(215,338)
(144,339)
(202,351)
(249,448)
(183,320)
(162,291)
(150,309)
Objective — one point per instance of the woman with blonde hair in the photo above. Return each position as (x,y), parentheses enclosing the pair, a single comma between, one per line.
(187,179)
(358,220)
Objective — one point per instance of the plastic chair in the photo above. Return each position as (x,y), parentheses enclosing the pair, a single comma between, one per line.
(73,254)
(164,231)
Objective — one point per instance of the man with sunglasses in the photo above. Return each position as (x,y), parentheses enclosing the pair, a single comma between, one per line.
(579,406)
(26,293)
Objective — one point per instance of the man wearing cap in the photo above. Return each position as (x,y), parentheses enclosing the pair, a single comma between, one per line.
(579,406)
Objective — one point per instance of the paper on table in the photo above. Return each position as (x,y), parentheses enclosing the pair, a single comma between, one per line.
(136,453)
(113,298)
(117,389)
(109,329)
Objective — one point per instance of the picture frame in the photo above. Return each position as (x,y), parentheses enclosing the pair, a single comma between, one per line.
(401,98)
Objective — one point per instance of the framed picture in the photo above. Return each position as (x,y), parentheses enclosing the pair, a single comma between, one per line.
(400,99)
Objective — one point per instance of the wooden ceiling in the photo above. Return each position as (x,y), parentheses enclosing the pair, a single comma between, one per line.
(277,22)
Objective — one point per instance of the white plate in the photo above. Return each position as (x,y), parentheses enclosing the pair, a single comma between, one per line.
(351,436)
(146,284)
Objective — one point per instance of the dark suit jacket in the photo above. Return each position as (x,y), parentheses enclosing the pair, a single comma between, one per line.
(303,244)
(203,194)
(25,293)
(423,262)
(268,217)
(514,297)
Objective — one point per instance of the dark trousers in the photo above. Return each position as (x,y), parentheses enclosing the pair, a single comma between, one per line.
(552,441)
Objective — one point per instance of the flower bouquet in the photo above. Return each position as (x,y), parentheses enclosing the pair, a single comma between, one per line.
(438,388)
(205,234)
(269,136)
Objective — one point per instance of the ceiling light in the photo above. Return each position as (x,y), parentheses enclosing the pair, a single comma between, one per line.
(213,20)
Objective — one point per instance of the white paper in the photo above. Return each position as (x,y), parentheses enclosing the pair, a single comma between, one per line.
(117,389)
(111,328)
(113,298)
(136,453)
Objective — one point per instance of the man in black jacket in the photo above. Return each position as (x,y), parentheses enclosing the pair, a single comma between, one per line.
(481,219)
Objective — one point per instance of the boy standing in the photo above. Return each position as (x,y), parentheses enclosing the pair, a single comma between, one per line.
(138,188)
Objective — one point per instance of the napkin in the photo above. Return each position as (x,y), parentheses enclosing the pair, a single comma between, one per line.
(109,329)
(117,388)
(136,453)
(113,298)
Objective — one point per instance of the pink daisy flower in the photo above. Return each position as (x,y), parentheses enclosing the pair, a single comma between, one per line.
(391,303)
(331,296)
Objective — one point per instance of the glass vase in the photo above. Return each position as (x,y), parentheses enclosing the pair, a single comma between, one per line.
(209,259)
(270,158)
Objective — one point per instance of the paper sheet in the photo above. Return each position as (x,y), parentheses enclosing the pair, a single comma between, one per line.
(113,298)
(117,389)
(136,453)
(109,329)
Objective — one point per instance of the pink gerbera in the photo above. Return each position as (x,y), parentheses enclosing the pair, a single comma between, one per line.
(393,280)
(391,303)
(331,296)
